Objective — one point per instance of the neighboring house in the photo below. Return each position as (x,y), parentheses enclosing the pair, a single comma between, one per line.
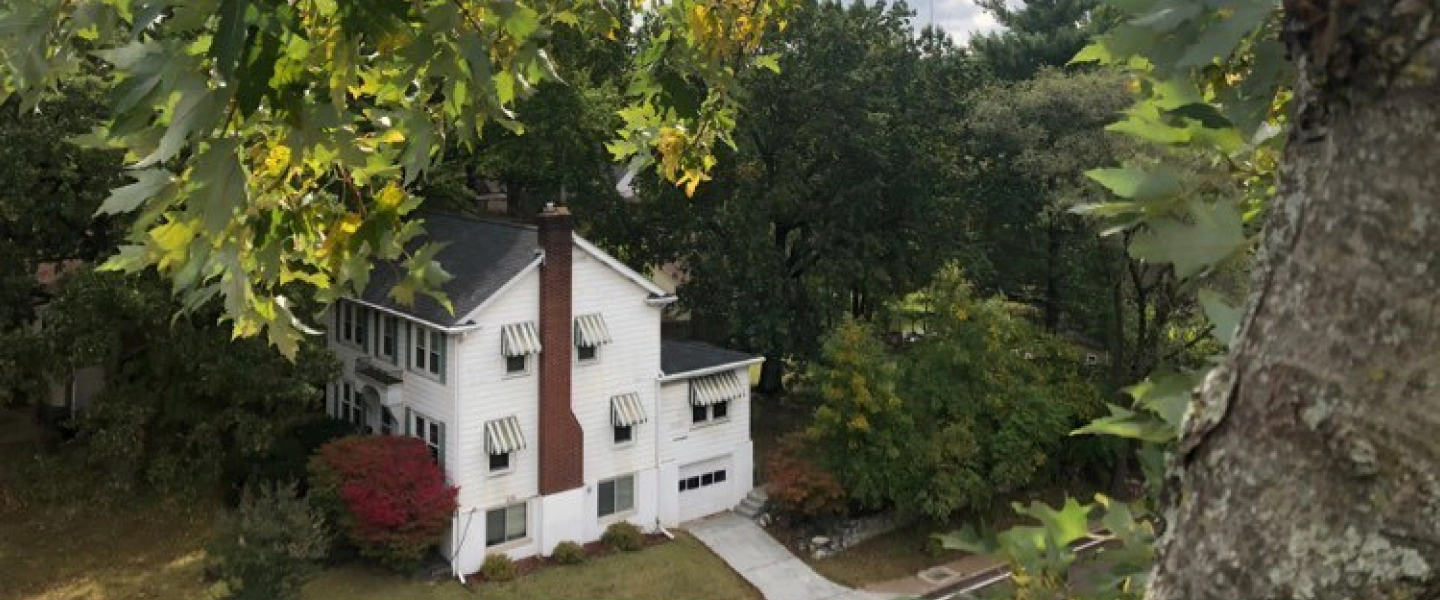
(71,393)
(547,396)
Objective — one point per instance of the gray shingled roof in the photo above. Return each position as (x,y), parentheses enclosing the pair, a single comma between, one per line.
(482,256)
(683,357)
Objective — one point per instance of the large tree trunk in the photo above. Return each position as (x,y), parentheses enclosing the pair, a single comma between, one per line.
(1310,464)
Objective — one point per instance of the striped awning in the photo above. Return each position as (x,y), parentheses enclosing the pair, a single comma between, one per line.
(626,410)
(719,387)
(503,436)
(519,339)
(590,330)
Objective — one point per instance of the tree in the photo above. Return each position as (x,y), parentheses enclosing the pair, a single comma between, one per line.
(275,144)
(861,425)
(1029,144)
(49,191)
(1301,468)
(184,405)
(1313,426)
(1036,35)
(978,408)
(836,198)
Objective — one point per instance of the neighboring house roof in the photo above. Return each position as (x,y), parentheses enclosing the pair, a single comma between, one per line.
(681,358)
(482,256)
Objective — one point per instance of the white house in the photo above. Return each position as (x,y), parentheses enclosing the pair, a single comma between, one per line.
(547,395)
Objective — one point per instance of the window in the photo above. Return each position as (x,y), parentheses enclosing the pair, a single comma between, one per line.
(617,495)
(353,324)
(389,337)
(624,433)
(696,482)
(429,354)
(432,432)
(505,524)
(714,412)
(387,421)
(352,406)
(587,353)
(517,364)
(500,462)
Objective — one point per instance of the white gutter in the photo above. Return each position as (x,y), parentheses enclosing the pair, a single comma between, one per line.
(711,370)
(466,328)
(662,300)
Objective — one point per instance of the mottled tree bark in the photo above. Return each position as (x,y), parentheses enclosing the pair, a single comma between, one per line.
(1310,463)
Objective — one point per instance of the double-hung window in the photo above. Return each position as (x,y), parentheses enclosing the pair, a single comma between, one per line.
(431,432)
(505,524)
(389,334)
(616,495)
(353,324)
(427,351)
(590,333)
(352,406)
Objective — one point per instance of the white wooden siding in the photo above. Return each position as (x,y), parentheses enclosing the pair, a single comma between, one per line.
(685,443)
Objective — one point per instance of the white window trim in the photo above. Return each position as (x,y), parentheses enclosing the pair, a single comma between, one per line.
(500,472)
(619,515)
(627,443)
(354,342)
(508,374)
(381,320)
(416,332)
(425,437)
(712,420)
(585,362)
(510,544)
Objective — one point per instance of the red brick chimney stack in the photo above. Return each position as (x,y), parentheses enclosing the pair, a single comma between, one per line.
(562,449)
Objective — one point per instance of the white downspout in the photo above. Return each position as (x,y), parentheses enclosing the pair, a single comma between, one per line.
(659,485)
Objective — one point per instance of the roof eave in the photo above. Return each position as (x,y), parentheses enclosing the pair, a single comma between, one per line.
(731,366)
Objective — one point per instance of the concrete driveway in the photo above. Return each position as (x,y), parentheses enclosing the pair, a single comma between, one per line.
(766,564)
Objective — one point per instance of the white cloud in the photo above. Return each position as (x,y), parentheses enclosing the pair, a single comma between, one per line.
(961,18)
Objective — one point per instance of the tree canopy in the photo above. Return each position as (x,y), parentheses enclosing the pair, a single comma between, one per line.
(275,145)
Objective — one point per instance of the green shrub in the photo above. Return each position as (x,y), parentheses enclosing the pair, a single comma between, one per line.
(623,536)
(271,546)
(498,567)
(289,455)
(568,553)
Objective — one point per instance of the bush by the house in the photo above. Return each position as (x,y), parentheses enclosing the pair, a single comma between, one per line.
(800,489)
(568,553)
(290,453)
(623,536)
(271,546)
(497,567)
(387,495)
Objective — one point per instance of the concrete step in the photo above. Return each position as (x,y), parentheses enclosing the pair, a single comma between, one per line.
(759,494)
(753,504)
(747,511)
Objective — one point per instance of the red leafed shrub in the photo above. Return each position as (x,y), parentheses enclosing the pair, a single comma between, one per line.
(800,489)
(386,494)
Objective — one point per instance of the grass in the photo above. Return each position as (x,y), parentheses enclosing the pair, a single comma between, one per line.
(900,553)
(680,570)
(82,550)
(79,549)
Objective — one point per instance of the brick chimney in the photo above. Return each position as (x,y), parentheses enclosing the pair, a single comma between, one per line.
(562,450)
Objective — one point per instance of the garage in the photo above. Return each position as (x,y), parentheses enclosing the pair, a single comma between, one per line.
(705,487)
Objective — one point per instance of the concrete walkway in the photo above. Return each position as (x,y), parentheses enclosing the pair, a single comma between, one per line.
(766,564)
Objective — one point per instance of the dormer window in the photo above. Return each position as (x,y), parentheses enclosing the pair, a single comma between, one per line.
(590,334)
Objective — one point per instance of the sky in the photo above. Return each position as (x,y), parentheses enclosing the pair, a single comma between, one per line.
(959,17)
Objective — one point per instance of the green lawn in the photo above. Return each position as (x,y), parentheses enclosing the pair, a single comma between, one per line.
(679,570)
(897,554)
(77,550)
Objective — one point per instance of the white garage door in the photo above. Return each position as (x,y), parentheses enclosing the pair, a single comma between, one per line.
(705,487)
